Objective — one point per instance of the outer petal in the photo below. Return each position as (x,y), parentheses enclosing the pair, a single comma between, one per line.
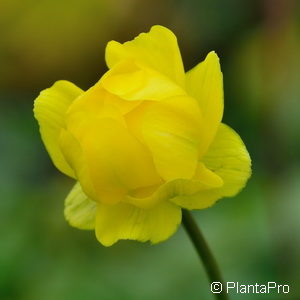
(80,211)
(228,158)
(205,83)
(124,221)
(49,109)
(172,130)
(157,49)
(132,81)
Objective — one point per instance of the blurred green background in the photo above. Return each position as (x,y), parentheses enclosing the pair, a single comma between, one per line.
(255,236)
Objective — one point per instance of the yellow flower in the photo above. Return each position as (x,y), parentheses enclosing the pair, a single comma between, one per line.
(145,141)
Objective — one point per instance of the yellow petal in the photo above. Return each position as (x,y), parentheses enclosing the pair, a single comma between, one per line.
(205,83)
(73,152)
(228,158)
(172,130)
(115,161)
(124,221)
(203,179)
(132,81)
(97,102)
(93,104)
(49,109)
(106,158)
(157,49)
(205,175)
(80,211)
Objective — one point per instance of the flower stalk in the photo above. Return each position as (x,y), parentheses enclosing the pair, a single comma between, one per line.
(204,252)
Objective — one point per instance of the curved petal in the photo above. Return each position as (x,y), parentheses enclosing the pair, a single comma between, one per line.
(157,49)
(98,102)
(205,175)
(95,103)
(229,159)
(205,83)
(74,154)
(49,109)
(111,162)
(132,81)
(204,179)
(125,221)
(172,130)
(107,159)
(80,211)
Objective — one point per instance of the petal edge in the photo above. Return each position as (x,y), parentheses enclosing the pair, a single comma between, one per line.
(49,110)
(230,160)
(157,49)
(124,221)
(79,210)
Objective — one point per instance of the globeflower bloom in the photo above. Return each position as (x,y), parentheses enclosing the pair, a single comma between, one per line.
(144,142)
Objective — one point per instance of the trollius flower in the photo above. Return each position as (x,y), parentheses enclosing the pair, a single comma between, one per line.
(145,141)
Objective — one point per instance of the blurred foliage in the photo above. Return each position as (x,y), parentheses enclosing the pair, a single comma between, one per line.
(255,235)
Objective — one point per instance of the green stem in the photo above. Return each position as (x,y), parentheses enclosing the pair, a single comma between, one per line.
(204,252)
